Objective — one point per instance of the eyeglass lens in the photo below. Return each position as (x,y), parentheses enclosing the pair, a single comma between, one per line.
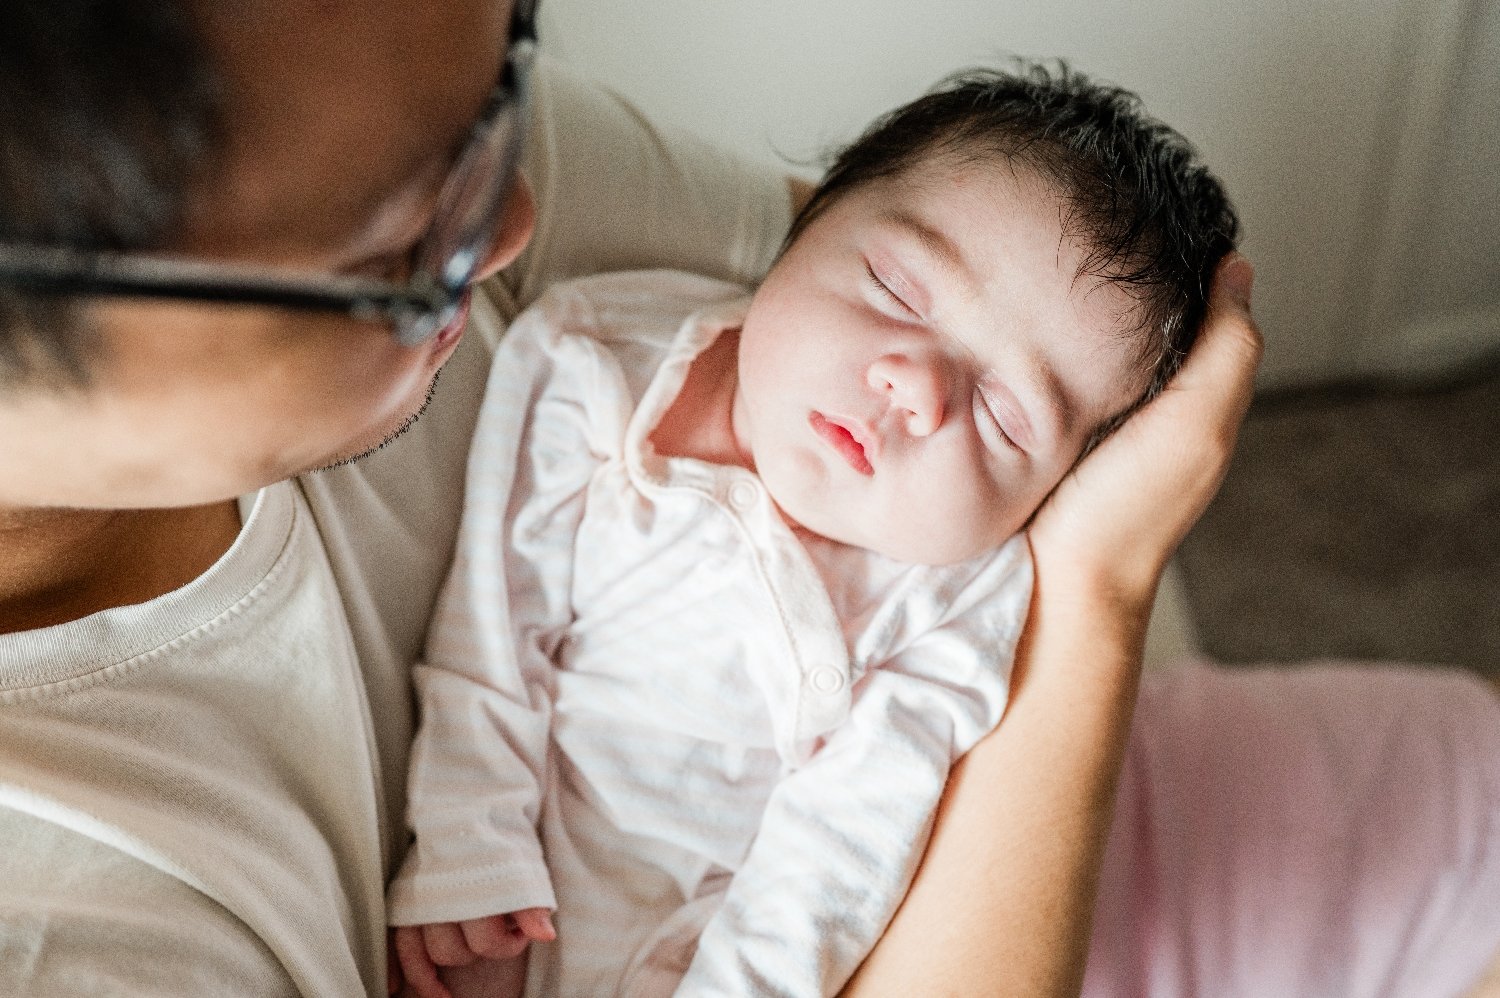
(474,198)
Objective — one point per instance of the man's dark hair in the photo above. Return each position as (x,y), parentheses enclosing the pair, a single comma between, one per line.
(1152,218)
(107,107)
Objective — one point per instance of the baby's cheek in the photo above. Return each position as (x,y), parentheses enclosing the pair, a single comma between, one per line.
(1005,510)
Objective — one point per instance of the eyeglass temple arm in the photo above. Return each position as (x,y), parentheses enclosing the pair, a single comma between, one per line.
(62,271)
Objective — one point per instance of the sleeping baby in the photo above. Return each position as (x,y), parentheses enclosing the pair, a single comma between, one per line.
(739,578)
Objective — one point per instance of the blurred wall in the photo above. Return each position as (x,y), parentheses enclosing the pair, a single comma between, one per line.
(1436,290)
(1360,138)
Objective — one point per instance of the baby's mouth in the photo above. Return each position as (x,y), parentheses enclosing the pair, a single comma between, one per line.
(842,440)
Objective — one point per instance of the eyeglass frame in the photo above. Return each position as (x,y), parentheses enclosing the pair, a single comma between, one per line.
(426,302)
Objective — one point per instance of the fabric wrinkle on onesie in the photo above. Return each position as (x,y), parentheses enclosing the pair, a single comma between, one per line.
(750,728)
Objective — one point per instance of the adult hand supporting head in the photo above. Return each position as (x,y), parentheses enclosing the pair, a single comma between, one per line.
(1114,522)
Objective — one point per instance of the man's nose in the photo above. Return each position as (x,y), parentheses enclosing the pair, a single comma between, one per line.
(915,384)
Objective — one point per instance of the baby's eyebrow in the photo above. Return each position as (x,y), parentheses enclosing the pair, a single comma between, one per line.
(943,250)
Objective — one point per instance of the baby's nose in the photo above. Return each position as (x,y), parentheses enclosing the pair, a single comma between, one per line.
(916,385)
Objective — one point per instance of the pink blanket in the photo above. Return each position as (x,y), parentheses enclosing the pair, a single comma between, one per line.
(1331,830)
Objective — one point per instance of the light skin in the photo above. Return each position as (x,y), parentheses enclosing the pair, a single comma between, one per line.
(925,362)
(347,115)
(419,950)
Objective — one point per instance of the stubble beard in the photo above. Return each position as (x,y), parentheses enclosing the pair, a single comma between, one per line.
(395,434)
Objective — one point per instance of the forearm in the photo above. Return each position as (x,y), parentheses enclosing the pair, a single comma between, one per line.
(1003,900)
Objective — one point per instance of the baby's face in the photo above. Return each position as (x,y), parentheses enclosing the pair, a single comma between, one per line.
(921,367)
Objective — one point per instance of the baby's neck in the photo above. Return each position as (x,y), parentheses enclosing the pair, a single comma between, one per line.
(700,421)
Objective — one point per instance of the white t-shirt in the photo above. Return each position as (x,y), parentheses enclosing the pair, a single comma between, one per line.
(202,795)
(734,735)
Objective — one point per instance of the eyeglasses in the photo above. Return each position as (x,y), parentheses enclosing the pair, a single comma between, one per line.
(469,207)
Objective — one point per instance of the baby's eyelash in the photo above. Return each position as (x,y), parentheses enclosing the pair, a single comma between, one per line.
(886,291)
(984,403)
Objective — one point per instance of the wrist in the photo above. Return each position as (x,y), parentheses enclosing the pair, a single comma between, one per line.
(1122,590)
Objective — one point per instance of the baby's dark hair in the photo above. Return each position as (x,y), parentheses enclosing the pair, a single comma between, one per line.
(1152,218)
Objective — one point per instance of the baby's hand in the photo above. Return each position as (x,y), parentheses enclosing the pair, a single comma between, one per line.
(421,949)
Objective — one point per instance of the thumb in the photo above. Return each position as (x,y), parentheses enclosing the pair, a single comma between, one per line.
(1222,364)
(1233,282)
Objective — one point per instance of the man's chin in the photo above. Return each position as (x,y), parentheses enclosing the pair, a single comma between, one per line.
(392,435)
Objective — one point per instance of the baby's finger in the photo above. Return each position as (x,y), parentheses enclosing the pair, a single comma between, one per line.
(446,946)
(416,965)
(492,938)
(536,923)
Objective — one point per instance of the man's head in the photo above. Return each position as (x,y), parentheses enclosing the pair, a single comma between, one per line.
(296,136)
(983,286)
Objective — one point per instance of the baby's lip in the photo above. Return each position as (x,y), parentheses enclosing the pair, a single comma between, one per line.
(849,438)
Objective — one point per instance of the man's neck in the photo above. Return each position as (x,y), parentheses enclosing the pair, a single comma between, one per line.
(58,565)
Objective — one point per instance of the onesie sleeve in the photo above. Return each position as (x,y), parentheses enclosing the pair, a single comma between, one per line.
(616,191)
(478,763)
(842,834)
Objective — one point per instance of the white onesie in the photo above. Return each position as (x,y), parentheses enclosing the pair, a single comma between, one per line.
(713,742)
